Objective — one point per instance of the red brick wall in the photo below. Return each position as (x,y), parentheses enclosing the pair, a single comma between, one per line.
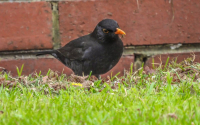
(179,57)
(25,26)
(157,22)
(29,26)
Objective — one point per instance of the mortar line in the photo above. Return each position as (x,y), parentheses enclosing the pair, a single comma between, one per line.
(144,49)
(55,28)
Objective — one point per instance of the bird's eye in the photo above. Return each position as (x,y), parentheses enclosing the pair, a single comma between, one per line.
(105,31)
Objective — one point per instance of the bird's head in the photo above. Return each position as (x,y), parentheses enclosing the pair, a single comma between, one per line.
(107,31)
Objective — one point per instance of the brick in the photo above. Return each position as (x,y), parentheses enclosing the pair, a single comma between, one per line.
(34,65)
(44,64)
(180,57)
(145,23)
(25,26)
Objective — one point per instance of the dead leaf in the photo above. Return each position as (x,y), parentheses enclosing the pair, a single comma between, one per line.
(87,84)
(198,79)
(58,86)
(44,79)
(196,76)
(149,70)
(77,79)
(31,82)
(34,89)
(53,75)
(1,112)
(172,115)
(178,70)
(2,79)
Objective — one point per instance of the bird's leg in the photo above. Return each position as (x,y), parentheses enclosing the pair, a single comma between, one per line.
(98,76)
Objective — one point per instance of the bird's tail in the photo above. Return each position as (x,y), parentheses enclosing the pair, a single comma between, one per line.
(45,52)
(56,54)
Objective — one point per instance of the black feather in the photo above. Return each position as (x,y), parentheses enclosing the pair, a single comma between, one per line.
(97,52)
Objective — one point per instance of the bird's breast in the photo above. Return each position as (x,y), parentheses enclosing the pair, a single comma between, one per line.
(105,58)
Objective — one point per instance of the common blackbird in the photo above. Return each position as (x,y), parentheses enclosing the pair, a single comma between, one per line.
(97,52)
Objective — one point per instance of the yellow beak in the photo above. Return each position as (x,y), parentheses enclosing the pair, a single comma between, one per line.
(119,31)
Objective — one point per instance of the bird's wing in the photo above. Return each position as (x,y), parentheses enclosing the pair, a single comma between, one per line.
(76,49)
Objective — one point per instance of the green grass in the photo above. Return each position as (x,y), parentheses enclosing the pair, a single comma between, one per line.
(135,98)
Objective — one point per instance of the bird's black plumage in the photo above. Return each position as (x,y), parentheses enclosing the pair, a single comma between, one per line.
(97,52)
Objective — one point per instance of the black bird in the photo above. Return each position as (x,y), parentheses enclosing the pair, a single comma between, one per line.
(97,52)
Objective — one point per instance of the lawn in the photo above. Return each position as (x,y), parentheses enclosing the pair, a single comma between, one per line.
(164,94)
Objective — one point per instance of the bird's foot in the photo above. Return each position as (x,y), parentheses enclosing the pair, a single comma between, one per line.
(98,76)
